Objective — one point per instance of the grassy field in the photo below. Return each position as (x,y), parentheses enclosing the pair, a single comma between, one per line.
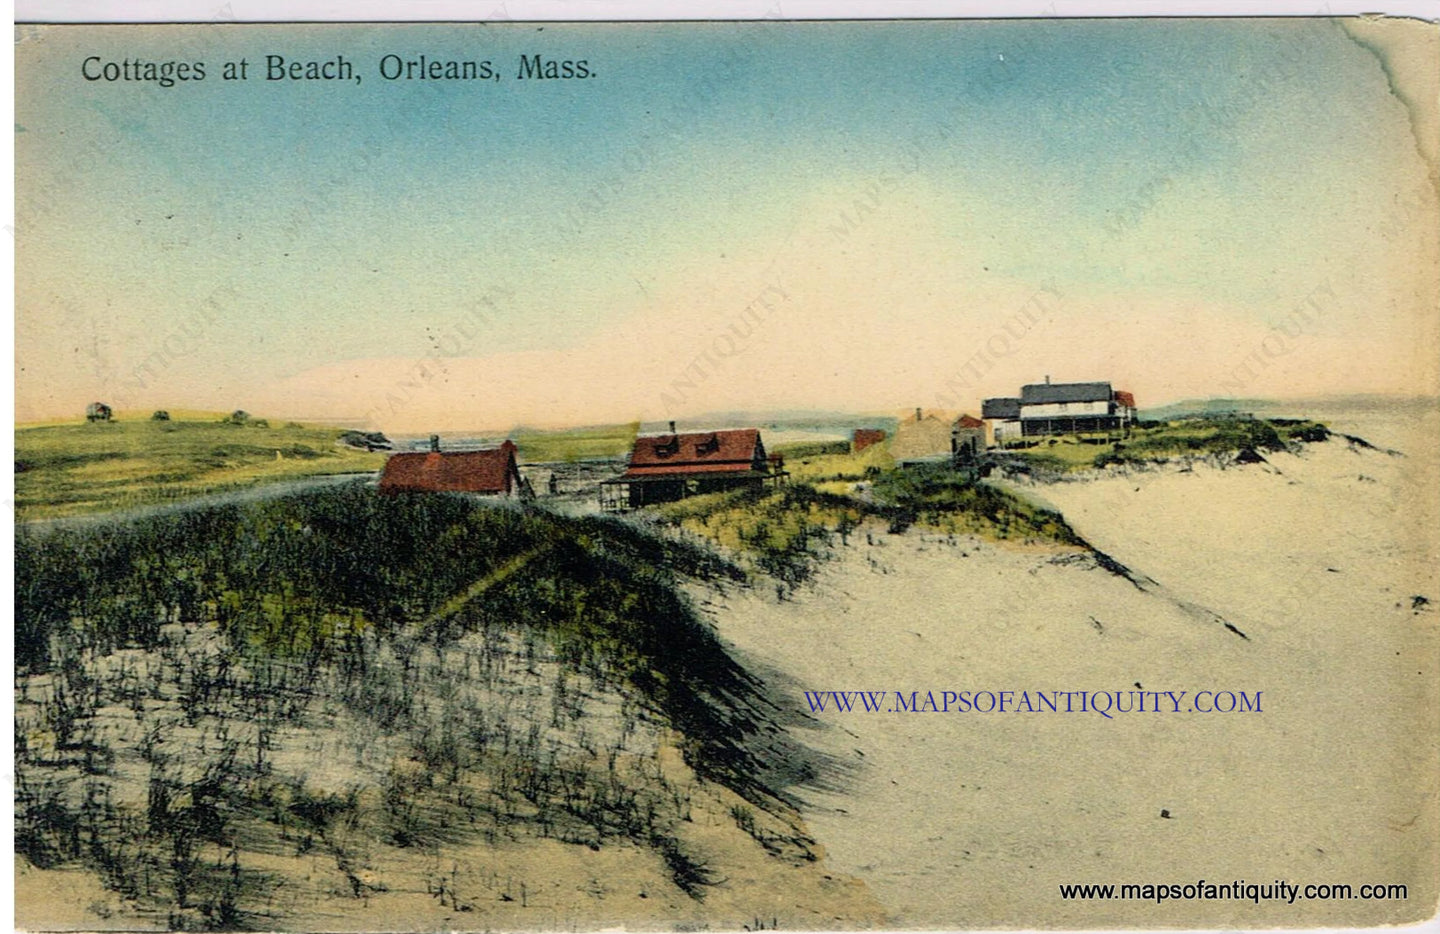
(819,463)
(76,468)
(1153,442)
(573,444)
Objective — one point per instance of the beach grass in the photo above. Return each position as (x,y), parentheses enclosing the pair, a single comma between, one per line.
(1156,442)
(783,532)
(779,532)
(939,498)
(447,653)
(821,462)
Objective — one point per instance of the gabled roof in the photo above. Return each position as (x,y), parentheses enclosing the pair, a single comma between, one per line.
(969,421)
(1045,393)
(491,471)
(1000,408)
(1124,398)
(731,451)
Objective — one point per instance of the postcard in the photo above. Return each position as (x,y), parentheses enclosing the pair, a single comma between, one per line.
(937,474)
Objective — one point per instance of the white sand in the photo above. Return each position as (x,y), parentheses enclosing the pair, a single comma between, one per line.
(967,819)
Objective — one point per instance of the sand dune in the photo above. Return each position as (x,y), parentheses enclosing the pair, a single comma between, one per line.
(971,819)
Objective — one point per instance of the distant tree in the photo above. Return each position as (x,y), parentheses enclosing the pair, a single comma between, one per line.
(98,412)
(239,417)
(160,415)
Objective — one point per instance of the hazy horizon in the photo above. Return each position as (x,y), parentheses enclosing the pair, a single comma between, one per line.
(1389,403)
(828,216)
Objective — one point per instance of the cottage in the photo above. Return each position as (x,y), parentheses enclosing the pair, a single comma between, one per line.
(1059,408)
(488,473)
(1003,418)
(967,440)
(664,468)
(925,437)
(863,438)
(98,412)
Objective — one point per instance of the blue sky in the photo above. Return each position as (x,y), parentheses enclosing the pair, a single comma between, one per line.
(1166,177)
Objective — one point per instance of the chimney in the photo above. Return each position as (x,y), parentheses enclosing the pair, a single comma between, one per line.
(434,444)
(672,428)
(1047,379)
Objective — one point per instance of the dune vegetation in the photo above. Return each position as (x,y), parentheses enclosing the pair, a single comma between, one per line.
(783,532)
(1214,436)
(228,710)
(831,465)
(213,701)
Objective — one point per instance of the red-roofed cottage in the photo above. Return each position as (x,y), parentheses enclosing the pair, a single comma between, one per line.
(865,437)
(664,468)
(967,439)
(489,473)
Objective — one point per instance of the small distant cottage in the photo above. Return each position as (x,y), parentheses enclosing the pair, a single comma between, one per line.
(664,468)
(927,436)
(865,437)
(967,440)
(1059,408)
(488,473)
(98,412)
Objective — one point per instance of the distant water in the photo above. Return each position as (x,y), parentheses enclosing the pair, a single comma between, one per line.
(771,436)
(793,436)
(447,442)
(1409,426)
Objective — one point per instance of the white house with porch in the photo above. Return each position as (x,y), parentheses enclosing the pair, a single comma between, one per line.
(1058,408)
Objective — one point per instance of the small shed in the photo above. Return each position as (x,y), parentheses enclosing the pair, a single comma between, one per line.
(98,412)
(865,437)
(488,473)
(967,439)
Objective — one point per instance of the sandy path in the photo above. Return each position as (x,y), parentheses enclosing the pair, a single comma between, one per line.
(968,819)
